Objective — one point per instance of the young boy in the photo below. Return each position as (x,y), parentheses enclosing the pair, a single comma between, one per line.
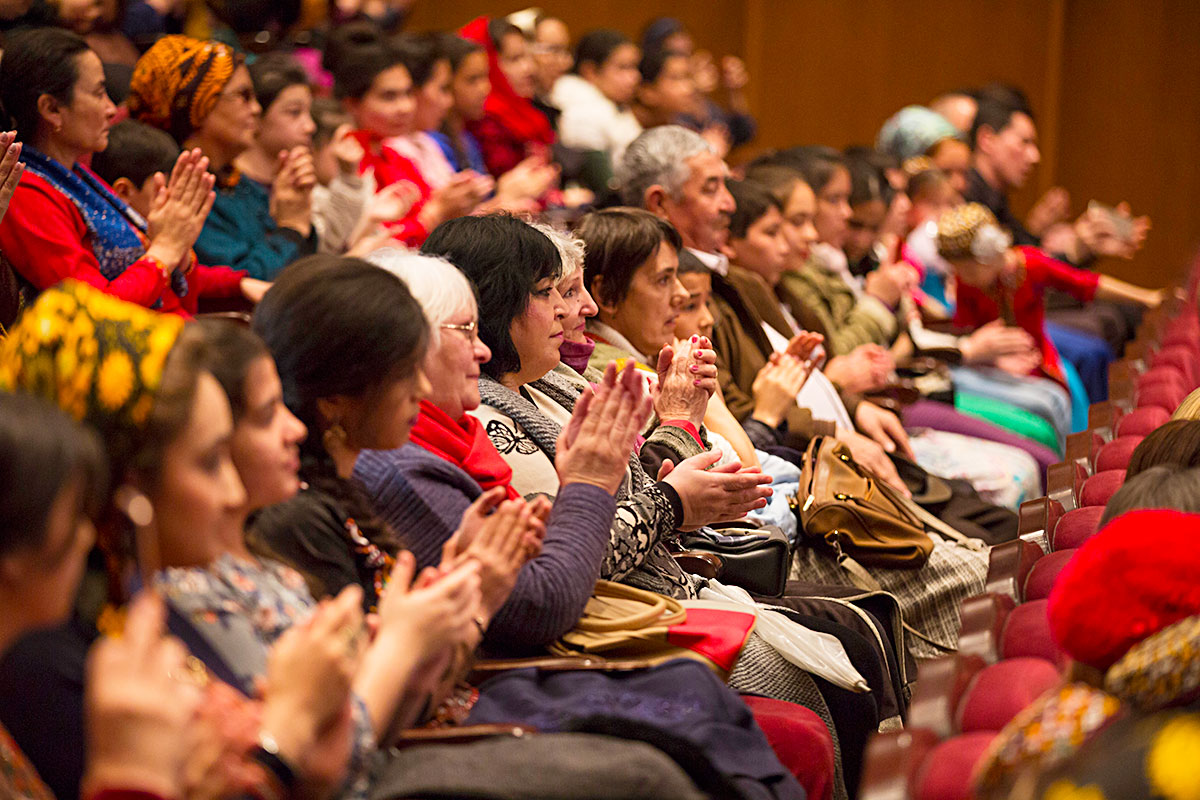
(136,154)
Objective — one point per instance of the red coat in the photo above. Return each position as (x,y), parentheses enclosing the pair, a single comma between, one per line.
(46,240)
(389,167)
(1018,300)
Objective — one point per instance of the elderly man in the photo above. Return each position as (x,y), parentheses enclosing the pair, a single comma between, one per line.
(673,173)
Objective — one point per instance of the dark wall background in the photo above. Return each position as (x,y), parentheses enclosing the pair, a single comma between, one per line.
(1115,84)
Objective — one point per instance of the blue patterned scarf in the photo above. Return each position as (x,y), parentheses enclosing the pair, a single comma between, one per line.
(115,227)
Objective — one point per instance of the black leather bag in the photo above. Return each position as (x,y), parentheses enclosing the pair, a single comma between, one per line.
(752,557)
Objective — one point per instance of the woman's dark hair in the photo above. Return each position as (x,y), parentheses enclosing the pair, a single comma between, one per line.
(868,181)
(420,52)
(328,115)
(42,451)
(356,53)
(338,326)
(616,242)
(252,16)
(596,47)
(924,182)
(1171,486)
(455,48)
(779,180)
(233,348)
(753,201)
(135,152)
(1175,442)
(658,30)
(37,62)
(505,258)
(273,73)
(816,163)
(498,28)
(654,62)
(689,264)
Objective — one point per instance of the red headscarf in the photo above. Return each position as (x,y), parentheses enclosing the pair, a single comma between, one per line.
(514,112)
(465,444)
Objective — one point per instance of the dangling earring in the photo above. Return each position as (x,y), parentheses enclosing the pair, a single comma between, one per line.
(134,505)
(334,437)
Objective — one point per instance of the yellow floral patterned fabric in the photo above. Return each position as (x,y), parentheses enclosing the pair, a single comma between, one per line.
(98,358)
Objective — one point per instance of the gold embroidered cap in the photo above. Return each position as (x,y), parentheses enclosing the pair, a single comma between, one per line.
(97,357)
(176,83)
(958,226)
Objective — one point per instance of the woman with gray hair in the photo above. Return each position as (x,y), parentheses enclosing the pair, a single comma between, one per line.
(424,487)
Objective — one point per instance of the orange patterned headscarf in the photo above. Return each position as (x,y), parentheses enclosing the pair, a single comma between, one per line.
(176,83)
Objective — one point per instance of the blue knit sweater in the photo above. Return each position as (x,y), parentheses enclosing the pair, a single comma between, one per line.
(423,497)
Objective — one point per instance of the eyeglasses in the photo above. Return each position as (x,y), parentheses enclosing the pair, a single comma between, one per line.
(471,329)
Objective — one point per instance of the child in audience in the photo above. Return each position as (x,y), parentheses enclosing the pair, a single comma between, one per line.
(998,281)
(133,164)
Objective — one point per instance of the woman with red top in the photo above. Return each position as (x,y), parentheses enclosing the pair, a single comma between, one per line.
(997,281)
(511,128)
(372,81)
(65,222)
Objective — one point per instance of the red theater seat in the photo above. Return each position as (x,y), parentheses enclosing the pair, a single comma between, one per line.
(946,772)
(1076,527)
(1044,574)
(1115,454)
(1100,487)
(1027,634)
(1141,421)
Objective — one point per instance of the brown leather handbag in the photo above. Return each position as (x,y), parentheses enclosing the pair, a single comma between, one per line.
(860,519)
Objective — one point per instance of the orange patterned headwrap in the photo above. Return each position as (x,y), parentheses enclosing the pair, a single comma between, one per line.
(176,83)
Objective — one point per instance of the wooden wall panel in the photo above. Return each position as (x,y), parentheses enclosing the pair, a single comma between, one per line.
(1130,121)
(715,24)
(1113,83)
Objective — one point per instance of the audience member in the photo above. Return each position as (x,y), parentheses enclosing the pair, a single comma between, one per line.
(65,221)
(254,226)
(595,96)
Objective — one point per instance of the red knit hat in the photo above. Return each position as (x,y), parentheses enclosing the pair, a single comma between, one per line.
(1135,577)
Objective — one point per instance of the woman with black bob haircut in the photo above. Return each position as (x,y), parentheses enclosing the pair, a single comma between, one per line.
(507,280)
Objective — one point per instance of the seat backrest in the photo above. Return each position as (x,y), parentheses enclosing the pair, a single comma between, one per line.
(1076,527)
(1115,454)
(999,692)
(892,763)
(1036,519)
(949,768)
(1027,634)
(1100,487)
(1045,574)
(1165,396)
(1141,421)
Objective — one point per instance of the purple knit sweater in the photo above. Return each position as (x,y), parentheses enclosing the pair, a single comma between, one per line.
(423,497)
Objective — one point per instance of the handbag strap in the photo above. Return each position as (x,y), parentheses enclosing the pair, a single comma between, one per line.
(929,520)
(659,609)
(866,581)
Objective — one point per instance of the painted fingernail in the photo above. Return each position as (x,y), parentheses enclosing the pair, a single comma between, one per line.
(695,339)
(697,383)
(694,368)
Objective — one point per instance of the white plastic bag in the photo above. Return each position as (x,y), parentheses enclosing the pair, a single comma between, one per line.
(818,653)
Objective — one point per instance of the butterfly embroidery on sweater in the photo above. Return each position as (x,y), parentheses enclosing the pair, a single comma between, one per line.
(506,439)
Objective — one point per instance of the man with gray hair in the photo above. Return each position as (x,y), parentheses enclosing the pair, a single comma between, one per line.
(672,172)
